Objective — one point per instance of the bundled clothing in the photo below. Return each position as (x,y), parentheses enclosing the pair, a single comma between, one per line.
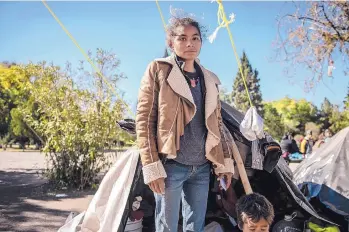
(289,145)
(307,146)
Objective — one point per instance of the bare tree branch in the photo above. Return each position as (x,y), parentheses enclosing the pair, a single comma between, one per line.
(306,18)
(311,37)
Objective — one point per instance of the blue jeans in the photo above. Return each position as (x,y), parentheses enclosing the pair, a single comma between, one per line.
(189,183)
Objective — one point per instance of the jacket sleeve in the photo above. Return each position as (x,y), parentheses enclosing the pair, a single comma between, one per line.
(146,125)
(226,140)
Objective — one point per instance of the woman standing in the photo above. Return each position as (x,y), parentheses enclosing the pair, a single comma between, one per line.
(180,131)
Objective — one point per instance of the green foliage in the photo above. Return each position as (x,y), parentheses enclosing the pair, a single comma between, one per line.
(273,122)
(78,123)
(332,117)
(19,129)
(301,115)
(74,115)
(338,119)
(4,113)
(14,94)
(295,113)
(325,113)
(76,135)
(224,95)
(346,101)
(239,95)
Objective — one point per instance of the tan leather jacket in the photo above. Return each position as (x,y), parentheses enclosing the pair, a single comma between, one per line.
(165,107)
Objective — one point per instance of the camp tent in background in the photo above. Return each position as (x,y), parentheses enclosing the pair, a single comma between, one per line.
(324,175)
(111,208)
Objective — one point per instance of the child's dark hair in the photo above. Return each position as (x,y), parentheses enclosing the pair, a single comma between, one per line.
(177,22)
(254,207)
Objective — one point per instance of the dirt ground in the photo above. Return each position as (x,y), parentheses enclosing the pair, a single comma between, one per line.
(26,202)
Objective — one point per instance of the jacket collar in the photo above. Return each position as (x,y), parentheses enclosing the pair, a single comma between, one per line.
(178,83)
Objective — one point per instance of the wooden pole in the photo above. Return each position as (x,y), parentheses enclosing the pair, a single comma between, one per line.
(241,169)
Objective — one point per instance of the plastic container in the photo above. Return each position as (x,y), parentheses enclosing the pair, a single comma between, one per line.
(289,224)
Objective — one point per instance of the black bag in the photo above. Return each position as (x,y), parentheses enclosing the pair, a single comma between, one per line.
(272,153)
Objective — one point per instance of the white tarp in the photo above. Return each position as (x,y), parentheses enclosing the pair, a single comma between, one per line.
(324,173)
(107,206)
(328,165)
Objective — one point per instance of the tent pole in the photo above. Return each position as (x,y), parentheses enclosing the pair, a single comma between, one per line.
(241,169)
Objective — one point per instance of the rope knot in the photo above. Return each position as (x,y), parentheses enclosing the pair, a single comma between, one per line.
(222,20)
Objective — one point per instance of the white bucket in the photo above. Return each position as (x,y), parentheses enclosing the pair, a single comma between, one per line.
(134,226)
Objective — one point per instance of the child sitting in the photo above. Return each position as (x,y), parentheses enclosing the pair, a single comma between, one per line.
(254,213)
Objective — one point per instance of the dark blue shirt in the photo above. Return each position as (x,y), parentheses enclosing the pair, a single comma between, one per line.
(192,143)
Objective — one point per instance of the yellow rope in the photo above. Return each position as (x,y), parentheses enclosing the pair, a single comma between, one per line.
(161,15)
(87,57)
(221,15)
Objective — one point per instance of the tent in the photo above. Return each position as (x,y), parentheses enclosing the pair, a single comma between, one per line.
(114,202)
(323,175)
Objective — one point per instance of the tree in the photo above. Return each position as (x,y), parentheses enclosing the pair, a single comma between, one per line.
(325,113)
(313,36)
(14,95)
(295,113)
(239,95)
(5,108)
(224,95)
(346,100)
(19,128)
(104,82)
(339,120)
(76,123)
(7,103)
(273,122)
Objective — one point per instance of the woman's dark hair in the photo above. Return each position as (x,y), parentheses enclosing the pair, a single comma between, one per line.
(254,207)
(177,22)
(290,134)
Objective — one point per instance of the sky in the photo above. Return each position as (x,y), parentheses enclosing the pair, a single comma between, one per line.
(134,31)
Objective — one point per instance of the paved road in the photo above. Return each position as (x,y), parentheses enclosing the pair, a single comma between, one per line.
(26,203)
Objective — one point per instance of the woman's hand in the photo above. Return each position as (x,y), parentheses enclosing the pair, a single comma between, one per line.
(158,186)
(227,177)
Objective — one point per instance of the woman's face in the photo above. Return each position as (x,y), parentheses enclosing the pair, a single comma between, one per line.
(187,42)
